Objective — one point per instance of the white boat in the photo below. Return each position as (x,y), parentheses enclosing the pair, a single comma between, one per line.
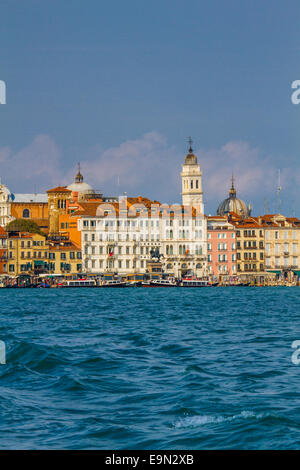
(113,283)
(159,283)
(197,283)
(78,283)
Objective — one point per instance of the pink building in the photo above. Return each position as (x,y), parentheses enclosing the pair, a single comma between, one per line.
(221,247)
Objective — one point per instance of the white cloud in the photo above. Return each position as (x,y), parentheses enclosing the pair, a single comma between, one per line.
(36,165)
(150,167)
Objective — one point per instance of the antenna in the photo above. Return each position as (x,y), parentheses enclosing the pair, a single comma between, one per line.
(266,206)
(278,191)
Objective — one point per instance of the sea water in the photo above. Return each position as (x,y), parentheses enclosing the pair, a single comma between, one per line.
(164,368)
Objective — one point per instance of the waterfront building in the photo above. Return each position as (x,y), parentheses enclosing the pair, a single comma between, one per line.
(124,237)
(3,251)
(27,253)
(250,246)
(282,244)
(221,247)
(64,256)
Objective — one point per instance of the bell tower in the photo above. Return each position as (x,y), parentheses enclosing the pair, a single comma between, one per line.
(191,181)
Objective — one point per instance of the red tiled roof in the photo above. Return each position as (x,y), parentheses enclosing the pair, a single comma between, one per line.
(59,189)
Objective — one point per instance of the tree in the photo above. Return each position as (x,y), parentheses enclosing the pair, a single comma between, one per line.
(23,225)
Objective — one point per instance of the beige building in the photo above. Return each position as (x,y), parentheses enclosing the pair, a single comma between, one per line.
(282,243)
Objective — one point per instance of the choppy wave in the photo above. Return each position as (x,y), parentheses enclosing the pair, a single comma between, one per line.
(149,369)
(194,421)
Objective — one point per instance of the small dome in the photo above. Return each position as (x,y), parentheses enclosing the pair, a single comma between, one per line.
(80,187)
(191,158)
(233,204)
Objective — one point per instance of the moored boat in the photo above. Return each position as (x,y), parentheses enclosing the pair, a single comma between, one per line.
(197,283)
(113,283)
(78,283)
(159,283)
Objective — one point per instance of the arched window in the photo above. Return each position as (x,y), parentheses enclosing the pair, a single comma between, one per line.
(198,266)
(169,266)
(26,214)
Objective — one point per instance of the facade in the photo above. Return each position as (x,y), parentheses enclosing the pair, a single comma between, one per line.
(113,241)
(18,206)
(282,244)
(221,247)
(3,251)
(57,202)
(191,182)
(250,246)
(64,256)
(27,253)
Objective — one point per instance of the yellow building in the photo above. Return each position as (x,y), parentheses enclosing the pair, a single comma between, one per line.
(250,247)
(282,244)
(64,257)
(27,253)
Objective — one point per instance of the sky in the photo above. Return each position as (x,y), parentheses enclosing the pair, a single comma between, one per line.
(120,86)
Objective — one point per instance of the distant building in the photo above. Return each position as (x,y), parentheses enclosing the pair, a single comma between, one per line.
(282,243)
(27,206)
(221,247)
(27,253)
(3,251)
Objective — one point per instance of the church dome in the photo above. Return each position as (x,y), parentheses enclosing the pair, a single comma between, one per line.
(233,204)
(79,186)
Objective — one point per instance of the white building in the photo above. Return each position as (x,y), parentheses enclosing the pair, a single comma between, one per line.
(121,237)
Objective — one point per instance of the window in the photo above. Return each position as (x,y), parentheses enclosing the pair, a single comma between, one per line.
(26,214)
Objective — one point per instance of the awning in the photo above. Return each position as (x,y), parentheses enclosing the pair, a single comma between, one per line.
(297,273)
(276,271)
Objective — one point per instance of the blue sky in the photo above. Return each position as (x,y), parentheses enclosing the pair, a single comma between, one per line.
(121,85)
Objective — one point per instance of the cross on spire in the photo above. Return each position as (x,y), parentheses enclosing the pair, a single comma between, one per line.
(190,144)
(232,190)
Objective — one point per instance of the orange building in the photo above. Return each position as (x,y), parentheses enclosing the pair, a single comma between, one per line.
(68,221)
(57,200)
